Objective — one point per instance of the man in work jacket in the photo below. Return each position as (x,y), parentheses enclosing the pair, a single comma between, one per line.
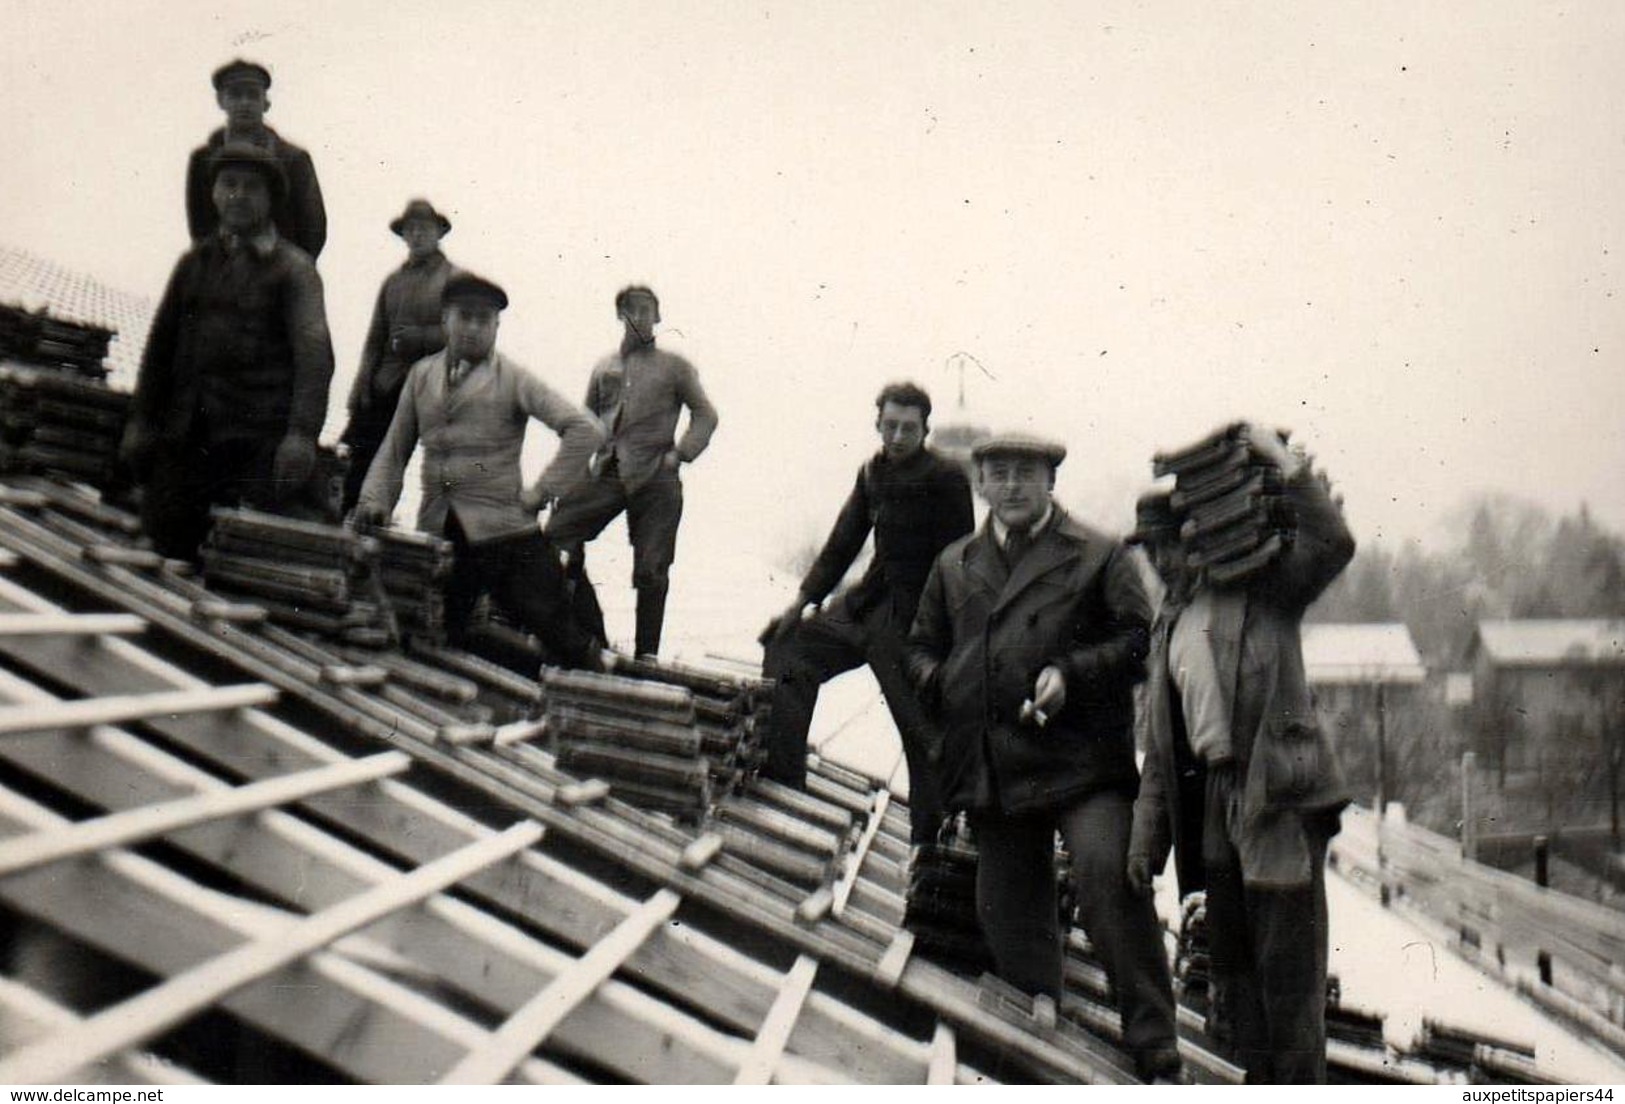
(405,328)
(232,390)
(240,89)
(1240,781)
(638,393)
(916,503)
(1030,636)
(469,405)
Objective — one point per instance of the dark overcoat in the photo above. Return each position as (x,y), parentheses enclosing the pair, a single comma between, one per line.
(982,635)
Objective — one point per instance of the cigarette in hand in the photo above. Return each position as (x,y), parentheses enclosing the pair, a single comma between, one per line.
(1030,712)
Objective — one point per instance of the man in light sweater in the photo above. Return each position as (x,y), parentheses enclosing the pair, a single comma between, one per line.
(469,405)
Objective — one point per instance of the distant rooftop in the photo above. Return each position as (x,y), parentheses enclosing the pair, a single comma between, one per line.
(34,283)
(1347,653)
(1554,643)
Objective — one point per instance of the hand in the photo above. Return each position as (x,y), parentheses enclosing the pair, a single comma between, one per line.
(533,500)
(136,447)
(295,460)
(669,460)
(1139,874)
(1267,445)
(369,515)
(1049,692)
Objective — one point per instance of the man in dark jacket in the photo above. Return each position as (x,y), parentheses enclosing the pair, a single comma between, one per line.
(1239,779)
(916,503)
(240,89)
(232,390)
(1030,636)
(405,328)
(639,393)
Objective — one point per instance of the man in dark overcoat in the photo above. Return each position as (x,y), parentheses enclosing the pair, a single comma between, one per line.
(241,89)
(232,390)
(1030,636)
(1240,781)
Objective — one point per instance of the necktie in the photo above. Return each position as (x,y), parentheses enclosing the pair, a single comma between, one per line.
(1016,544)
(456,373)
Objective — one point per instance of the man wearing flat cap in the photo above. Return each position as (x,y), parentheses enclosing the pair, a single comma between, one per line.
(232,389)
(639,392)
(405,328)
(1241,783)
(469,406)
(240,88)
(1030,636)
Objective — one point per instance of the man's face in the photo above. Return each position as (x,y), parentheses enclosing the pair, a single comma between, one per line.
(244,103)
(471,331)
(902,430)
(640,313)
(1016,488)
(422,237)
(243,198)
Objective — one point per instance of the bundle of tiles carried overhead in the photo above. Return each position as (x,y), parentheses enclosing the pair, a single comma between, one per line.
(39,338)
(1234,519)
(54,421)
(306,575)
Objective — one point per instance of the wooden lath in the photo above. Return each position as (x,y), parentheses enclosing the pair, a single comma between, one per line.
(26,1016)
(677,958)
(142,1017)
(855,942)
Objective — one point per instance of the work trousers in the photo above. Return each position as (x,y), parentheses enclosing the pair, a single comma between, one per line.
(364,435)
(831,643)
(1268,948)
(1017,904)
(522,574)
(652,513)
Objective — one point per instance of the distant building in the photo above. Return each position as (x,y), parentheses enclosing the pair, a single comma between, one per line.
(1547,717)
(1368,682)
(34,284)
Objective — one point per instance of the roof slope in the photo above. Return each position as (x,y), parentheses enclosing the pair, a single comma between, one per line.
(1343,653)
(1553,643)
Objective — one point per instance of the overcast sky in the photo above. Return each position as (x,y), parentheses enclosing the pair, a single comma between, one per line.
(1393,227)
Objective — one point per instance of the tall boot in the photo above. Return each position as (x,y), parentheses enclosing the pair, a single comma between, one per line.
(651,616)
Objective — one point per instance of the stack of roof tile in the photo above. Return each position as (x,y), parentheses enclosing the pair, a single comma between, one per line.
(1234,520)
(59,422)
(39,338)
(412,570)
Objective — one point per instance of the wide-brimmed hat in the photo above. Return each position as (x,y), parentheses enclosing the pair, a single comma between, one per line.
(249,156)
(466,287)
(1019,444)
(420,209)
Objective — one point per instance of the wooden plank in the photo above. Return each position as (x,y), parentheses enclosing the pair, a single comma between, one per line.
(816,906)
(701,851)
(944,1057)
(854,861)
(526,1029)
(153,1011)
(590,792)
(84,624)
(519,732)
(148,821)
(775,1033)
(16,720)
(892,963)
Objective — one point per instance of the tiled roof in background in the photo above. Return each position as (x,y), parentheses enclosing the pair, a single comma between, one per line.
(34,283)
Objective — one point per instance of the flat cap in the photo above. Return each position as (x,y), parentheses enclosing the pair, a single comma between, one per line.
(1154,518)
(239,70)
(465,287)
(420,209)
(1019,444)
(246,155)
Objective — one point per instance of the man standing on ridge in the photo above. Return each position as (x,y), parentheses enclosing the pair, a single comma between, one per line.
(240,89)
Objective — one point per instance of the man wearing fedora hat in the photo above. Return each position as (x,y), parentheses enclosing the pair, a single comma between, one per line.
(1030,636)
(240,88)
(1240,782)
(405,328)
(469,406)
(232,389)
